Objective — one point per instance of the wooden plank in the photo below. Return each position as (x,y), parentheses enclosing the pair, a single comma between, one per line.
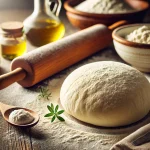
(13,138)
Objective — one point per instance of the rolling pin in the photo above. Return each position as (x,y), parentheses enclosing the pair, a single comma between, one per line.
(48,60)
(138,140)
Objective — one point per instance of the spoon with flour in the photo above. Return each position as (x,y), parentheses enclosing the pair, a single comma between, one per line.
(17,116)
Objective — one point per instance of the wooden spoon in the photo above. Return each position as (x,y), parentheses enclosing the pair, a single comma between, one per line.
(7,109)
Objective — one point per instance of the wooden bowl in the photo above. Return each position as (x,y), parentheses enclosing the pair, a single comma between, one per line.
(136,54)
(83,20)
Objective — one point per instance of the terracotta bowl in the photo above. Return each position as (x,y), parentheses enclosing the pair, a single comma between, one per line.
(136,54)
(83,20)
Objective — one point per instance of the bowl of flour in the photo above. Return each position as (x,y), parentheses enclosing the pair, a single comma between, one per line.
(85,13)
(132,43)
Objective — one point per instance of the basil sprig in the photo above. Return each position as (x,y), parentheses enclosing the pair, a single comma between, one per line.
(54,113)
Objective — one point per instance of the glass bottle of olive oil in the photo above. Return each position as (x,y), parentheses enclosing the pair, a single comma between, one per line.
(43,25)
(12,40)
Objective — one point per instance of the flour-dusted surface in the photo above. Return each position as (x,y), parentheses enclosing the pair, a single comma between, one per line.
(72,134)
(104,6)
(69,135)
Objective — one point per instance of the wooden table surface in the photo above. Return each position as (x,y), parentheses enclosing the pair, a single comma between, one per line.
(12,138)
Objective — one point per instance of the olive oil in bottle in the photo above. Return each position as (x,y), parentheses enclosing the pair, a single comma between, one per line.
(45,32)
(12,51)
(12,40)
(43,26)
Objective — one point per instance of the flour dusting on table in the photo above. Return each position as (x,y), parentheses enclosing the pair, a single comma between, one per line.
(70,134)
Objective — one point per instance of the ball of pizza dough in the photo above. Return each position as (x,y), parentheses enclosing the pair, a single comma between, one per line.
(106,93)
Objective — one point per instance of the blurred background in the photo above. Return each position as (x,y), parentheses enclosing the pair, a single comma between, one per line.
(22,4)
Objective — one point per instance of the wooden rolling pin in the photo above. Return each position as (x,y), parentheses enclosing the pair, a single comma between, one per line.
(138,140)
(48,60)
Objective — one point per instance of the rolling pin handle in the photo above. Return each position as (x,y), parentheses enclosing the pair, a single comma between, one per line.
(118,24)
(11,77)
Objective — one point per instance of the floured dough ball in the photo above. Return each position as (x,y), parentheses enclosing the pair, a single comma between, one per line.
(106,94)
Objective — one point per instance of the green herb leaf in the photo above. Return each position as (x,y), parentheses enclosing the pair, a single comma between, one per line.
(48,115)
(54,113)
(52,106)
(56,108)
(60,112)
(50,109)
(44,93)
(54,117)
(60,118)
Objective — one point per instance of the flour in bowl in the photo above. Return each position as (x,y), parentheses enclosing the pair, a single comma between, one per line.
(104,6)
(140,35)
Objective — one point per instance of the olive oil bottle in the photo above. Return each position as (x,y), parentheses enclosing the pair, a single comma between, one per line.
(12,51)
(12,40)
(44,25)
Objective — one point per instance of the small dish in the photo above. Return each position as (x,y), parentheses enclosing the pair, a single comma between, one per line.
(83,20)
(136,54)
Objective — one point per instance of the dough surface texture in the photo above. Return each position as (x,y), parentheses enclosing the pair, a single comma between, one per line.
(106,93)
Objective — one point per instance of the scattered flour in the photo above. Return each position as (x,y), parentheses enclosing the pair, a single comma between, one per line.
(140,35)
(104,6)
(73,135)
(68,135)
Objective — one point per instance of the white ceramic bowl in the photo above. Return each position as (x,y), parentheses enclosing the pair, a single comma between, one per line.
(136,54)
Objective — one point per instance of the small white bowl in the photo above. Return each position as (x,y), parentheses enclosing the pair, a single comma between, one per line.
(136,54)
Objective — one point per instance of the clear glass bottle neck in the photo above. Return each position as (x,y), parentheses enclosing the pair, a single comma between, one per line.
(40,5)
(42,9)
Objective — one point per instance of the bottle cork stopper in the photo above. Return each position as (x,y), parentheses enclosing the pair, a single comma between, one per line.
(12,26)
